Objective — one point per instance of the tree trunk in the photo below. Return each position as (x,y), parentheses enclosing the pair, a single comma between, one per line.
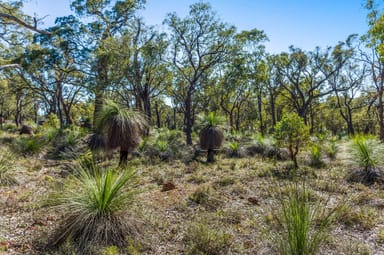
(273,111)
(380,110)
(158,121)
(18,108)
(351,130)
(188,118)
(231,121)
(259,108)
(58,101)
(174,118)
(102,82)
(123,158)
(147,105)
(210,156)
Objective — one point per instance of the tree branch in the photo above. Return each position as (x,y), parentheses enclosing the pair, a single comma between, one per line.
(22,23)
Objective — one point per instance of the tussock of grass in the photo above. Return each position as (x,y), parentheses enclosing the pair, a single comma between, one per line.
(304,225)
(203,239)
(6,168)
(91,205)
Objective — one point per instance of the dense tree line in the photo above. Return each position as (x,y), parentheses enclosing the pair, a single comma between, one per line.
(200,65)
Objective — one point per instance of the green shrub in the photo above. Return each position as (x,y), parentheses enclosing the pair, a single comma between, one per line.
(315,156)
(291,132)
(233,149)
(91,203)
(207,240)
(331,148)
(30,145)
(304,225)
(52,121)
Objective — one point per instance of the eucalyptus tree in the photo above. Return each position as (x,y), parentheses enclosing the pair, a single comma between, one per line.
(52,70)
(12,16)
(235,91)
(374,58)
(273,82)
(106,20)
(199,42)
(15,30)
(144,73)
(351,79)
(253,51)
(305,75)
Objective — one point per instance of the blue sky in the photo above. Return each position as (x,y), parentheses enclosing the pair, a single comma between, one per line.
(302,23)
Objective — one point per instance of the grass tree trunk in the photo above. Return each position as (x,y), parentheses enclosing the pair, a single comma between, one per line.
(123,157)
(210,156)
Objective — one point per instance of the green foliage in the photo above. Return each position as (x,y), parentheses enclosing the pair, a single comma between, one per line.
(6,167)
(30,145)
(52,121)
(234,149)
(211,120)
(49,133)
(206,240)
(72,135)
(122,127)
(366,154)
(305,225)
(363,149)
(315,156)
(162,145)
(331,149)
(291,132)
(90,202)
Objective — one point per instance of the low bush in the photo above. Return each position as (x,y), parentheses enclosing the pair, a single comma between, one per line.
(203,239)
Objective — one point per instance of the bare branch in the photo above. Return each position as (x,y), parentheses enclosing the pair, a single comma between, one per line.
(33,27)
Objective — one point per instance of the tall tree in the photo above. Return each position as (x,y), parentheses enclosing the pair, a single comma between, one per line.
(145,74)
(198,43)
(306,75)
(374,58)
(107,19)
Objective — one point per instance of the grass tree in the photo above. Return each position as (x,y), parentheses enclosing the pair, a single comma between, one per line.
(211,136)
(92,203)
(291,132)
(366,153)
(122,128)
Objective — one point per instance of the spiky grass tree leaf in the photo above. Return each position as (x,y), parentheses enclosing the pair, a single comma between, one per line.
(6,167)
(211,138)
(366,153)
(364,150)
(122,127)
(91,203)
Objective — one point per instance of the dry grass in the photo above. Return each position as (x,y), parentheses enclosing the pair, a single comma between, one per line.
(232,195)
